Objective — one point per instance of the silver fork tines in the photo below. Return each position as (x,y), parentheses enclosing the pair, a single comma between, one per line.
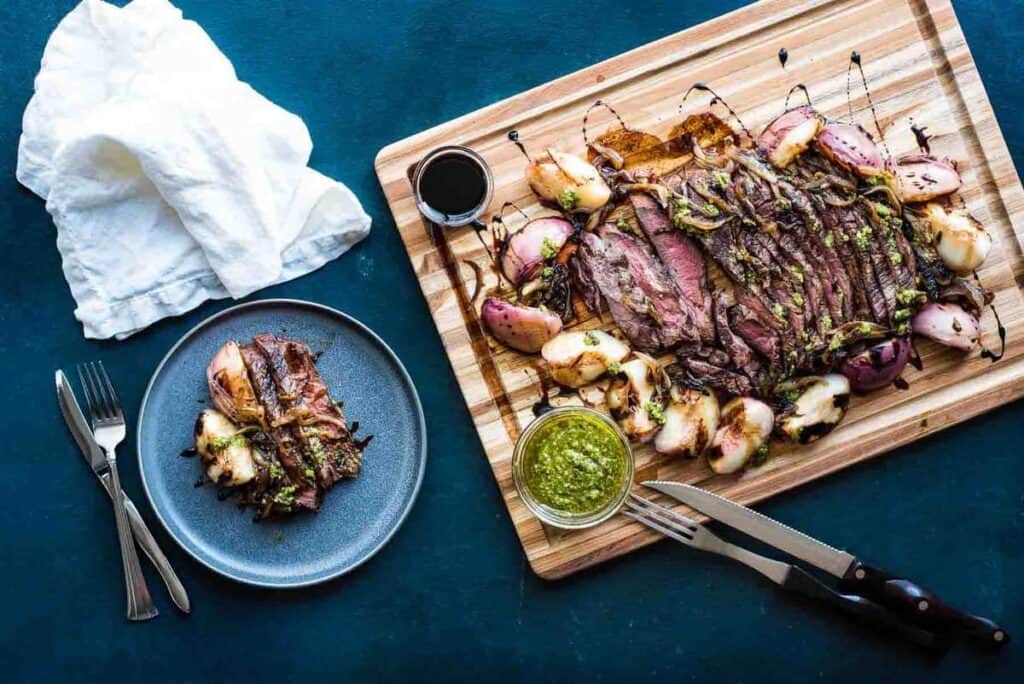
(692,533)
(109,430)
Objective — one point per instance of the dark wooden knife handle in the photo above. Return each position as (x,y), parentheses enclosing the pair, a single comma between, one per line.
(865,610)
(919,605)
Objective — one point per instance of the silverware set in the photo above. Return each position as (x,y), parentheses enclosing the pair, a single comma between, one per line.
(98,440)
(872,595)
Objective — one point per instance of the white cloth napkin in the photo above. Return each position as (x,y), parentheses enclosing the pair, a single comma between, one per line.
(169,180)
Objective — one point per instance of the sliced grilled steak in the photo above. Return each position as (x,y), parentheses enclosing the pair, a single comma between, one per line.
(661,298)
(741,355)
(614,283)
(328,444)
(689,372)
(683,260)
(285,435)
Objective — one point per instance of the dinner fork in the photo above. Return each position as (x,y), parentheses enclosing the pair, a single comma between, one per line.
(109,430)
(787,576)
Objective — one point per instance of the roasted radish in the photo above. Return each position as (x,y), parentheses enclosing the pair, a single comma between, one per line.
(878,366)
(961,241)
(818,404)
(789,135)
(568,182)
(691,419)
(743,428)
(948,324)
(635,397)
(922,177)
(524,328)
(527,250)
(225,451)
(851,146)
(577,357)
(230,387)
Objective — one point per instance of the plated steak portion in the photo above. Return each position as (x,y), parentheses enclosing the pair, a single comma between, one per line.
(327,442)
(296,446)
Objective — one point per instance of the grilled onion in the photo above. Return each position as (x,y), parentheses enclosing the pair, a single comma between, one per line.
(948,324)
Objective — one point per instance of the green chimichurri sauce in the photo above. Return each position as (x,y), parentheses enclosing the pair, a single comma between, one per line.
(575,464)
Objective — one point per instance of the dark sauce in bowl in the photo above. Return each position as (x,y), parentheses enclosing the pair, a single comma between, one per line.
(453,184)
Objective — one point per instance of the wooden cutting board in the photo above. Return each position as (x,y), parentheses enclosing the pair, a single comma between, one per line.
(919,68)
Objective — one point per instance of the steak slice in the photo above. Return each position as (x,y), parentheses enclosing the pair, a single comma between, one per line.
(327,443)
(698,374)
(614,282)
(741,355)
(683,260)
(662,300)
(285,436)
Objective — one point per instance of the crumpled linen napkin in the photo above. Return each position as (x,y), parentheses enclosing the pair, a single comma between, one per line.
(169,180)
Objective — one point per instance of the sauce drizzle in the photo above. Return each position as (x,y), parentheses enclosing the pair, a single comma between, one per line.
(591,108)
(921,136)
(715,98)
(856,60)
(783,56)
(803,89)
(513,135)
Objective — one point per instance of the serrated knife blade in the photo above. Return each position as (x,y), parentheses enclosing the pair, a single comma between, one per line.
(761,527)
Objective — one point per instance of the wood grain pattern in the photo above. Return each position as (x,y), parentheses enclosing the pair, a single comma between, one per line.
(919,67)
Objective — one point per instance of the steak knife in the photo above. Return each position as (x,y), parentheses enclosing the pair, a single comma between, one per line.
(93,455)
(899,595)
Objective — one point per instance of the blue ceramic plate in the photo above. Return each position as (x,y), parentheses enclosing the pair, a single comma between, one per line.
(357,517)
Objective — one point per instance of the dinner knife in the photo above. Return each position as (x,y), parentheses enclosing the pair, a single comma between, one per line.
(79,428)
(899,595)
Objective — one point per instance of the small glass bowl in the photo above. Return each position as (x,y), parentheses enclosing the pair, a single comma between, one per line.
(553,516)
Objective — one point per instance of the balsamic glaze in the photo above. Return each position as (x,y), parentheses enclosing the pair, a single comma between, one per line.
(600,103)
(715,98)
(989,354)
(453,184)
(856,60)
(1000,330)
(513,135)
(802,88)
(922,137)
(783,57)
(189,452)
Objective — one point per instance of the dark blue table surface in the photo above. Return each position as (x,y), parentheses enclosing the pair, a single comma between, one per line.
(452,593)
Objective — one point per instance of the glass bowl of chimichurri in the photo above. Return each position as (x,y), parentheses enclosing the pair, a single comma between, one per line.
(573,467)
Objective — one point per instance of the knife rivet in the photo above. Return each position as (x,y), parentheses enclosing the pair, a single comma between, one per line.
(860,574)
(999,636)
(922,605)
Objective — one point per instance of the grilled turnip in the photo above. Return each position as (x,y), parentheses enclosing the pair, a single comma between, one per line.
(789,135)
(850,146)
(691,419)
(635,397)
(878,366)
(922,177)
(577,357)
(527,250)
(948,324)
(568,182)
(523,328)
(230,387)
(961,241)
(819,403)
(743,427)
(225,451)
